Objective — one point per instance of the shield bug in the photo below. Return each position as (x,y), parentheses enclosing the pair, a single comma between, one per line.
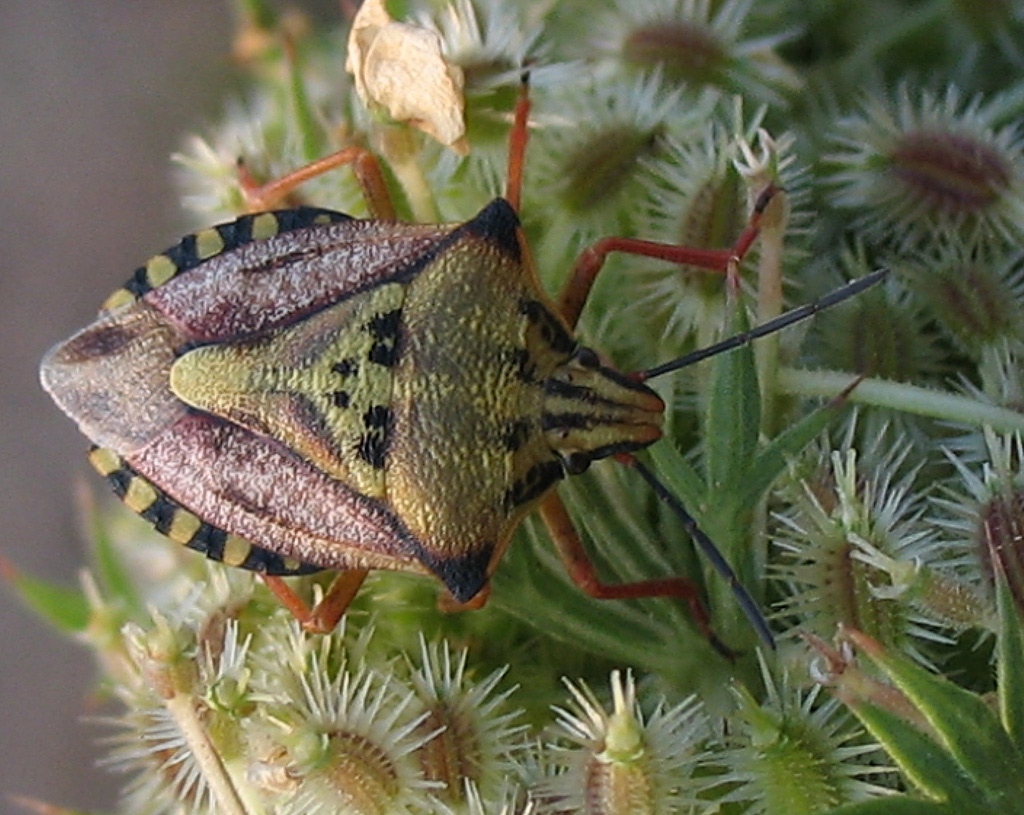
(299,390)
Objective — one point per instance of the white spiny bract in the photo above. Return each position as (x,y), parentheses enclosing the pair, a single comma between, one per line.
(858,550)
(621,762)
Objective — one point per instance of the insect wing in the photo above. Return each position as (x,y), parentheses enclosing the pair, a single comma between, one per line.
(190,472)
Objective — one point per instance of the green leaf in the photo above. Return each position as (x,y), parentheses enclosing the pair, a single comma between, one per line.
(679,476)
(964,724)
(774,457)
(906,806)
(1010,667)
(734,410)
(533,585)
(683,481)
(109,567)
(924,762)
(66,609)
(305,117)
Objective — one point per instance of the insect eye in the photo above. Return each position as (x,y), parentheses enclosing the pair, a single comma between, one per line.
(575,463)
(587,358)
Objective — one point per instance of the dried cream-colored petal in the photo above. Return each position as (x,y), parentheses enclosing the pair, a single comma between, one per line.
(401,68)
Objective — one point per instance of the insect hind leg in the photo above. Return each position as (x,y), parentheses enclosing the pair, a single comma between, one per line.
(268,195)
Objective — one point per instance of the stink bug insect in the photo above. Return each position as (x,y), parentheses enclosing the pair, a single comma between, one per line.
(299,390)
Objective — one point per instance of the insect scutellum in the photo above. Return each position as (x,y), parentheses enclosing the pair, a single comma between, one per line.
(261,392)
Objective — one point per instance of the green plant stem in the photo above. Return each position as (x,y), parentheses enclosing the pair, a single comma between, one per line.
(401,150)
(770,306)
(182,707)
(903,397)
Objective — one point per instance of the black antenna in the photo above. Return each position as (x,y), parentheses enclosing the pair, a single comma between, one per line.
(749,606)
(795,315)
(718,562)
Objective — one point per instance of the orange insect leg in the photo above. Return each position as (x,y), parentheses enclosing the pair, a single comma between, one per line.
(324,616)
(577,288)
(581,570)
(259,197)
(517,139)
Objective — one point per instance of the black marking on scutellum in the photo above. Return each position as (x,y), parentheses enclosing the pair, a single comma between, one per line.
(234,234)
(345,367)
(373,443)
(377,417)
(384,328)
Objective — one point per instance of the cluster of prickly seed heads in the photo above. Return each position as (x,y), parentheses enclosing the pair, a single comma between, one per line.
(227,717)
(222,720)
(862,549)
(222,717)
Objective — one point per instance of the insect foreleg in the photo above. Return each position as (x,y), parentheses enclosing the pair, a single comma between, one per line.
(577,288)
(517,139)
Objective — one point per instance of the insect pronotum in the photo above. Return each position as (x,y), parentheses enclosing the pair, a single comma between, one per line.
(262,393)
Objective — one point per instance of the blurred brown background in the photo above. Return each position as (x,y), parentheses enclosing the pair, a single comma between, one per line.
(94,96)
